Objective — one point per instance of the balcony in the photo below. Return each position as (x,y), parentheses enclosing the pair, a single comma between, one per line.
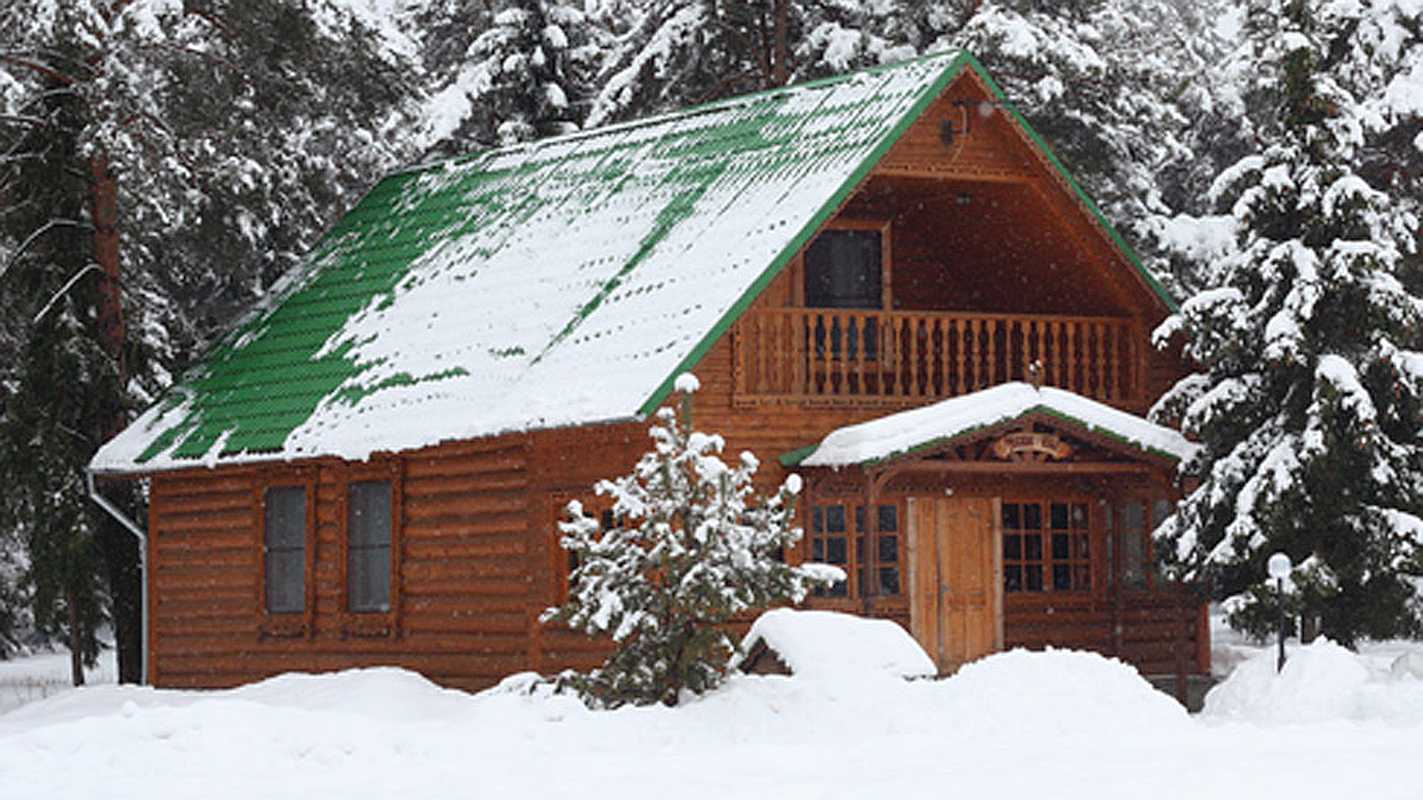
(818,356)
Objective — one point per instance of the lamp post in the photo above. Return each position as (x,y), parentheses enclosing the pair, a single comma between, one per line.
(1279,568)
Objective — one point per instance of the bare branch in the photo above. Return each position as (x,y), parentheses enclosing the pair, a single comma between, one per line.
(33,237)
(69,284)
(23,119)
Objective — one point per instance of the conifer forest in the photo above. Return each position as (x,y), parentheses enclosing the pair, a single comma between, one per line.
(163,163)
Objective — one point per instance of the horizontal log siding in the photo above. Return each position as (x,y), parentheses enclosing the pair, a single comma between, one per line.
(464,607)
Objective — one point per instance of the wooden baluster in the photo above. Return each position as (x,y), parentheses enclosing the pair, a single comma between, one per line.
(946,358)
(959,350)
(992,371)
(1022,332)
(1124,366)
(1100,347)
(857,364)
(1109,359)
(1049,350)
(842,322)
(1042,349)
(1070,359)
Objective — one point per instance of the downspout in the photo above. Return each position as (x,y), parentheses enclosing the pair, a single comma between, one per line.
(138,532)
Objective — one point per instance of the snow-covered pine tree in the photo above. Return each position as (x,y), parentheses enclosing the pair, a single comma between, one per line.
(525,77)
(1310,387)
(166,163)
(689,548)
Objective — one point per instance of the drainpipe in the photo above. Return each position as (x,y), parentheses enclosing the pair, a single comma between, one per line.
(133,527)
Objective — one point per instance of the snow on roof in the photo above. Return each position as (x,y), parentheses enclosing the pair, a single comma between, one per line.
(929,426)
(555,283)
(823,643)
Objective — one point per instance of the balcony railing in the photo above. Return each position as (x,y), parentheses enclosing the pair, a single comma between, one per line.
(855,357)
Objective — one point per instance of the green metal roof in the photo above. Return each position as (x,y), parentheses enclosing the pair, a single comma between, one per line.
(563,282)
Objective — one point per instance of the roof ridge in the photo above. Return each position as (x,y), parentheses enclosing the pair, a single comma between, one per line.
(706,107)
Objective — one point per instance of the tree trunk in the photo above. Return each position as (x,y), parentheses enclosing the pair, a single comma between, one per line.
(76,638)
(119,547)
(780,69)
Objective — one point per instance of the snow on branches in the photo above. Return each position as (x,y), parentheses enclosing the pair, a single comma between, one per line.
(689,548)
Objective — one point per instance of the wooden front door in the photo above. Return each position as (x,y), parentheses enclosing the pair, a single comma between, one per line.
(956,610)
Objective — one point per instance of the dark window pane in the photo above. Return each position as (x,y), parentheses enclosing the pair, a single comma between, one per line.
(835,519)
(860,519)
(859,548)
(285,556)
(1061,547)
(835,550)
(817,519)
(1061,577)
(286,581)
(889,580)
(888,519)
(889,549)
(842,270)
(860,580)
(286,517)
(1083,545)
(368,579)
(1034,576)
(1134,560)
(1134,517)
(1079,515)
(839,590)
(368,514)
(1033,517)
(1012,519)
(1059,516)
(817,549)
(368,545)
(1033,547)
(1013,547)
(1012,578)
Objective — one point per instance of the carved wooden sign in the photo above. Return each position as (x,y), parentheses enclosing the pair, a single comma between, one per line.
(1024,446)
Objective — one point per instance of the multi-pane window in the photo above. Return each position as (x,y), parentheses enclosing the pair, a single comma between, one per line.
(886,549)
(829,544)
(1046,547)
(368,521)
(284,549)
(830,541)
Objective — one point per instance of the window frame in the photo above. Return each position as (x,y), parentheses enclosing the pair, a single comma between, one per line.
(286,624)
(854,591)
(375,623)
(886,255)
(1046,560)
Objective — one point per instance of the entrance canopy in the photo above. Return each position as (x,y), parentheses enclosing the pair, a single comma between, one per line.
(938,427)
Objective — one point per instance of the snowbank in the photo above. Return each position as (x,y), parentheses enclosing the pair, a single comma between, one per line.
(1321,682)
(819,644)
(1064,725)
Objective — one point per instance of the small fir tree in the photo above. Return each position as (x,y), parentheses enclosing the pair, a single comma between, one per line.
(1309,397)
(688,550)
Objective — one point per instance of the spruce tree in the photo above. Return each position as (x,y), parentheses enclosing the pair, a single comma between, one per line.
(689,548)
(525,77)
(1308,397)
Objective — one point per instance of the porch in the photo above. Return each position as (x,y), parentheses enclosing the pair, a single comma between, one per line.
(1012,517)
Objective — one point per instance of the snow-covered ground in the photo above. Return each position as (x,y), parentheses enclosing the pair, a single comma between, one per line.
(1040,725)
(25,680)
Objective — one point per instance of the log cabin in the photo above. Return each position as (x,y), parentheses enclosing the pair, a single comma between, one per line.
(884,281)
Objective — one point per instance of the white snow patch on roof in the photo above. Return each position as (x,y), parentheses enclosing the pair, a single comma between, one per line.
(816,644)
(899,433)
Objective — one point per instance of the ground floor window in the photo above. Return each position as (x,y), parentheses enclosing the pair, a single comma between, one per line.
(876,568)
(1047,546)
(1129,526)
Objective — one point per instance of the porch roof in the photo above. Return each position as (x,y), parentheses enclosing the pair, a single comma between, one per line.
(929,427)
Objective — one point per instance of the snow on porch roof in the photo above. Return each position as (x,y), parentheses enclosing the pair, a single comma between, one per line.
(931,426)
(562,282)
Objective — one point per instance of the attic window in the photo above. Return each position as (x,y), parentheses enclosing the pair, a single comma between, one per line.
(843,269)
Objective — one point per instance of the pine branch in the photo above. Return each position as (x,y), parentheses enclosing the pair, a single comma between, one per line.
(34,237)
(69,284)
